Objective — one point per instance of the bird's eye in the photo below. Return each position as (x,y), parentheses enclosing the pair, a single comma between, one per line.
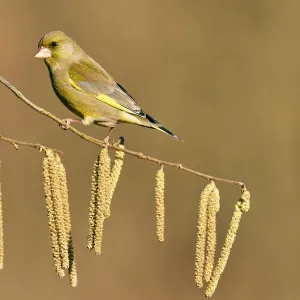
(53,44)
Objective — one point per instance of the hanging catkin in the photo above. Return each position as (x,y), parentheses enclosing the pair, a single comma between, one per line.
(58,211)
(213,207)
(201,234)
(242,206)
(1,229)
(72,270)
(101,205)
(93,205)
(160,206)
(104,182)
(114,178)
(48,160)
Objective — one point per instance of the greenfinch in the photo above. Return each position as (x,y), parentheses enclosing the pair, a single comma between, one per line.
(86,89)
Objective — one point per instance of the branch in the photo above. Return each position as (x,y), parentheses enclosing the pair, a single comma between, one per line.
(102,144)
(17,143)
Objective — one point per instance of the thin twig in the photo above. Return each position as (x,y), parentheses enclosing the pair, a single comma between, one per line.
(17,143)
(102,144)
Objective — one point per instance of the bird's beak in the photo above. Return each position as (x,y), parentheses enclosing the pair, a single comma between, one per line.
(43,53)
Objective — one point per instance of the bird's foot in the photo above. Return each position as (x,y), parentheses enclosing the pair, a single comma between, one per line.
(106,141)
(68,122)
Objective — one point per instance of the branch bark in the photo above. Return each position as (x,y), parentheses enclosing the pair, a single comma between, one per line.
(102,144)
(17,143)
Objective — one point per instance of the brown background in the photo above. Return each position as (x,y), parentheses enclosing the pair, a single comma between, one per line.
(224,75)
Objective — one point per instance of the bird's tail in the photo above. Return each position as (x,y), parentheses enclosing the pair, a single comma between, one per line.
(152,123)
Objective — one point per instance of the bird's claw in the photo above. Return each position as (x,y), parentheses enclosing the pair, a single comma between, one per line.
(67,125)
(106,141)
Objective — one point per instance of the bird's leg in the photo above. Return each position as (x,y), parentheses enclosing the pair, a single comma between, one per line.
(106,139)
(68,121)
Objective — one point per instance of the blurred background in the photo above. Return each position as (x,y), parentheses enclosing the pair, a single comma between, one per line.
(224,75)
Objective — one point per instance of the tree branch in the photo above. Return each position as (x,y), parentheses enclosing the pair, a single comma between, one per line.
(102,144)
(17,143)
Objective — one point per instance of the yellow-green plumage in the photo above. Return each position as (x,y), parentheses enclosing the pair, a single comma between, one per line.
(87,89)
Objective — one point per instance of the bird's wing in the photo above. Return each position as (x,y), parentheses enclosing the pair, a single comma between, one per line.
(91,79)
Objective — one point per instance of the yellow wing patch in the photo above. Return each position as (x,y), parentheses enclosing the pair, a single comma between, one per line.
(129,118)
(104,98)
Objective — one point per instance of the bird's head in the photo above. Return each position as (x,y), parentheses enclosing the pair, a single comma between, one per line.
(57,46)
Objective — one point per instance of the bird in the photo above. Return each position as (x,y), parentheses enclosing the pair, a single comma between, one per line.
(88,90)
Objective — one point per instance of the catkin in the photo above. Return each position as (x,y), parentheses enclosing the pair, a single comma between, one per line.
(93,205)
(242,206)
(201,234)
(99,231)
(72,267)
(114,177)
(67,222)
(107,183)
(103,184)
(58,210)
(48,160)
(1,230)
(213,207)
(160,206)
